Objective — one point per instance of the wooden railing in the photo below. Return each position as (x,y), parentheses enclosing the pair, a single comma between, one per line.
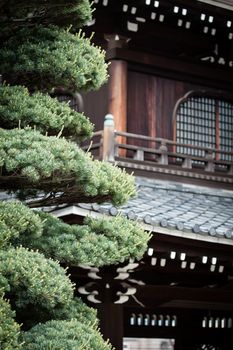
(164,153)
(159,151)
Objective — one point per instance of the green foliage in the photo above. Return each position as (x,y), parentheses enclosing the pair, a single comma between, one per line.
(64,335)
(53,164)
(36,53)
(29,154)
(76,309)
(18,107)
(45,58)
(15,14)
(32,279)
(73,309)
(126,238)
(16,219)
(5,233)
(9,329)
(98,242)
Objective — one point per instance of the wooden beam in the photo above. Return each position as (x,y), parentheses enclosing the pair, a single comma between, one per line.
(153,296)
(166,66)
(174,274)
(161,243)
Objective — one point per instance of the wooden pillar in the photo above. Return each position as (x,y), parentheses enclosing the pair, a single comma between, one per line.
(117,94)
(111,323)
(110,314)
(188,331)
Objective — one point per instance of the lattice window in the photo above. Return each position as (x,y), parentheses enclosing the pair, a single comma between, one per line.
(226,127)
(207,122)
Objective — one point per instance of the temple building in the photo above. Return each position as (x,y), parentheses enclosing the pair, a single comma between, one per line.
(166,114)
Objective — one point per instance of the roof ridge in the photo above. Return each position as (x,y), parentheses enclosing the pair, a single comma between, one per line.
(185,188)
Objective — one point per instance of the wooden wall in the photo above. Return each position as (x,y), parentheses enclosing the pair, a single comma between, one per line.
(150,103)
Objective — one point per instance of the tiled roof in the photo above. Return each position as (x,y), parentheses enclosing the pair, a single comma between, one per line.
(173,206)
(179,207)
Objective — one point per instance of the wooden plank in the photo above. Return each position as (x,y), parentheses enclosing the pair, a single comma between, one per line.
(165,158)
(191,71)
(170,142)
(138,120)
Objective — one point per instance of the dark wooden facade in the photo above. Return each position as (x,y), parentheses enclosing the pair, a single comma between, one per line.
(151,100)
(160,58)
(181,298)
(160,51)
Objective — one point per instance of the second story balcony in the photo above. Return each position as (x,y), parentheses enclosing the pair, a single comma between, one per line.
(162,157)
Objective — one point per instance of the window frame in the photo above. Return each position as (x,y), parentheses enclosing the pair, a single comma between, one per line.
(219,98)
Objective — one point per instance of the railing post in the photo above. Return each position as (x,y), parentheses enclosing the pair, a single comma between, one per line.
(139,155)
(108,153)
(210,161)
(230,169)
(187,163)
(163,158)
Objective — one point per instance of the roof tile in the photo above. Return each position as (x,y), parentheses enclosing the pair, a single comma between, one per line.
(182,207)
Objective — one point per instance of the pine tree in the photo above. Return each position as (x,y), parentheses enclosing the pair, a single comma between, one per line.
(42,49)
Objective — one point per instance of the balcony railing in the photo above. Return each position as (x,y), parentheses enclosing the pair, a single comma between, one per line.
(115,146)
